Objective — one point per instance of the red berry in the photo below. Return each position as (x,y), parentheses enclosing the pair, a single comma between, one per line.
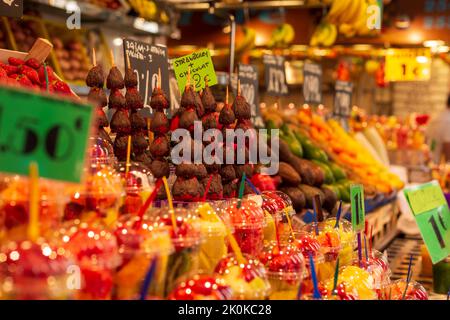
(33,63)
(3,73)
(15,61)
(11,69)
(23,80)
(61,87)
(50,74)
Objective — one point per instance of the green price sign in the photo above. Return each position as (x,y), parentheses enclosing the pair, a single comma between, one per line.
(201,67)
(358,209)
(53,133)
(428,204)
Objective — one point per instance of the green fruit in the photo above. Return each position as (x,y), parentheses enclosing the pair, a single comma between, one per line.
(334,188)
(310,151)
(344,190)
(338,173)
(294,145)
(329,178)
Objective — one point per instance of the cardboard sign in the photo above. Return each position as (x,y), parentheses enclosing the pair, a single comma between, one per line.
(201,67)
(248,76)
(358,209)
(312,83)
(11,8)
(275,75)
(145,60)
(54,133)
(408,65)
(428,204)
(343,98)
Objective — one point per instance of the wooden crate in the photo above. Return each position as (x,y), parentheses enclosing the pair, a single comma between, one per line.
(384,222)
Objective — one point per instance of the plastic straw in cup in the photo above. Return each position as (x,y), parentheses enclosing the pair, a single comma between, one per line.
(148,280)
(316,223)
(169,200)
(147,202)
(33,224)
(249,182)
(316,293)
(359,248)
(241,190)
(208,185)
(336,275)
(338,215)
(235,247)
(408,277)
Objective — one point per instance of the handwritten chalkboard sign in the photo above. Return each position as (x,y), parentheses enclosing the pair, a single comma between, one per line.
(275,75)
(145,60)
(343,98)
(11,8)
(248,77)
(312,83)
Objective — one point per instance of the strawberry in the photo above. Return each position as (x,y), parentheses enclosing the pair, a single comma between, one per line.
(3,73)
(50,73)
(33,63)
(15,61)
(10,69)
(13,76)
(30,73)
(61,87)
(24,81)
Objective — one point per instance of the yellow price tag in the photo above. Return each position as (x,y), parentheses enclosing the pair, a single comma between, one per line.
(408,65)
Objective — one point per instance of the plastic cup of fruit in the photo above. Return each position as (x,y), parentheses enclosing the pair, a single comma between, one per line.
(347,238)
(280,207)
(248,222)
(248,280)
(15,203)
(202,287)
(138,185)
(140,245)
(285,267)
(186,240)
(96,252)
(101,152)
(396,291)
(378,267)
(357,281)
(101,193)
(35,271)
(342,292)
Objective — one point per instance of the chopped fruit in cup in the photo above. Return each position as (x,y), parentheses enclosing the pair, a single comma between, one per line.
(248,222)
(347,238)
(96,252)
(202,287)
(285,267)
(140,245)
(341,292)
(34,271)
(396,290)
(247,280)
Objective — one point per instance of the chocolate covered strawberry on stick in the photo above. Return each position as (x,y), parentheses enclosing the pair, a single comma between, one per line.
(210,121)
(120,122)
(97,97)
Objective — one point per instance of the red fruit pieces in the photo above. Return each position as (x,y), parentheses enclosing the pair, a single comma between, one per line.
(61,87)
(15,61)
(250,241)
(30,73)
(32,63)
(3,73)
(24,81)
(50,74)
(11,70)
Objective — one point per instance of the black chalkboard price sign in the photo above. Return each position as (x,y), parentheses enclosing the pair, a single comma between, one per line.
(248,77)
(343,98)
(275,75)
(145,60)
(11,8)
(312,83)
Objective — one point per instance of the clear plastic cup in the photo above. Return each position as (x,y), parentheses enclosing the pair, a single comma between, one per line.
(201,287)
(347,238)
(285,267)
(96,252)
(140,245)
(279,206)
(101,152)
(15,203)
(138,184)
(330,245)
(378,267)
(248,280)
(355,281)
(186,239)
(248,222)
(396,291)
(35,271)
(100,193)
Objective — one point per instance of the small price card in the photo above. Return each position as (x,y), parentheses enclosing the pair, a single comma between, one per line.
(428,204)
(358,209)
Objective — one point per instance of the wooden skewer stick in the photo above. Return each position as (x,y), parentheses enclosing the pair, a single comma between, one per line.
(226,97)
(239,88)
(112,59)
(206,81)
(94,58)
(128,61)
(159,78)
(188,82)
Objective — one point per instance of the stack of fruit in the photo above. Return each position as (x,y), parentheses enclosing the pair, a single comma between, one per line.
(25,33)
(71,58)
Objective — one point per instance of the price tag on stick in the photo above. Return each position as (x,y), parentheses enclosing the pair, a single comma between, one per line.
(248,77)
(312,83)
(358,209)
(428,204)
(145,60)
(343,98)
(54,133)
(201,67)
(275,75)
(11,8)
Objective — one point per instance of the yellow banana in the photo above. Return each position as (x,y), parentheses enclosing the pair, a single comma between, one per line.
(338,8)
(332,35)
(354,11)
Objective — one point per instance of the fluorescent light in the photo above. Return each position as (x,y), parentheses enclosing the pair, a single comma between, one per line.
(433,43)
(117,42)
(72,6)
(148,26)
(421,59)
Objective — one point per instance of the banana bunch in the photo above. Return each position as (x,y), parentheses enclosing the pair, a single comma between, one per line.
(249,40)
(325,34)
(282,36)
(146,9)
(350,16)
